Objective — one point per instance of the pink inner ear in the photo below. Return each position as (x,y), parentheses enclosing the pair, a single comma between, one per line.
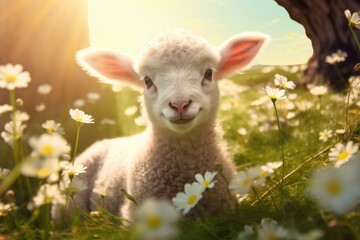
(239,54)
(111,67)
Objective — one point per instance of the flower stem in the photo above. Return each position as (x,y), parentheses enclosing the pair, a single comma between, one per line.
(347,105)
(76,142)
(282,147)
(339,73)
(355,37)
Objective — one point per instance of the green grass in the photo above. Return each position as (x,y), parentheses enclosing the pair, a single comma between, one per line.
(291,207)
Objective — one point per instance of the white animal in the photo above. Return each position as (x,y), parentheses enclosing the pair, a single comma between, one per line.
(178,72)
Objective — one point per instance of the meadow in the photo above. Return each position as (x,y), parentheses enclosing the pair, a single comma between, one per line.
(295,146)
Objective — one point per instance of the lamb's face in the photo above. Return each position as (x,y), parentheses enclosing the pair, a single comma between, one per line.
(176,69)
(181,97)
(180,90)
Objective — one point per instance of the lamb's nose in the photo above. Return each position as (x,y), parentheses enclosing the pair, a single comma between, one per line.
(180,107)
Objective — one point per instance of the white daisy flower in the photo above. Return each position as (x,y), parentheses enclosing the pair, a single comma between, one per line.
(13,131)
(341,153)
(53,127)
(3,172)
(318,90)
(243,181)
(78,103)
(336,188)
(6,208)
(49,146)
(80,117)
(44,89)
(48,194)
(93,96)
(270,229)
(354,19)
(72,187)
(101,190)
(40,107)
(12,76)
(207,180)
(274,93)
(188,199)
(74,169)
(5,108)
(283,82)
(40,168)
(20,116)
(156,220)
(325,135)
(130,111)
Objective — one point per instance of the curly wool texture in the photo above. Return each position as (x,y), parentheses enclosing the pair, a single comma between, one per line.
(175,47)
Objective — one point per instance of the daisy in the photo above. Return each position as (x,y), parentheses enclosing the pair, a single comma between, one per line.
(283,82)
(156,220)
(325,135)
(74,169)
(207,180)
(53,127)
(3,172)
(80,117)
(318,90)
(5,208)
(335,188)
(13,131)
(20,116)
(130,111)
(93,96)
(44,89)
(267,170)
(40,107)
(243,181)
(12,76)
(270,229)
(274,93)
(49,146)
(341,153)
(78,103)
(188,199)
(72,187)
(40,168)
(354,19)
(48,194)
(5,108)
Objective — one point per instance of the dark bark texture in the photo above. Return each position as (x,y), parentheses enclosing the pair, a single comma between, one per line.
(327,27)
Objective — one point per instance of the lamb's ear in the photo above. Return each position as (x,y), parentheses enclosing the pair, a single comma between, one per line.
(109,66)
(240,51)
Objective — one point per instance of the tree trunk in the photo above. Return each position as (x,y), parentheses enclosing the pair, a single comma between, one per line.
(44,36)
(327,27)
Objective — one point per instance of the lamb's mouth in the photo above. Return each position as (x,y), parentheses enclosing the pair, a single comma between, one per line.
(182,121)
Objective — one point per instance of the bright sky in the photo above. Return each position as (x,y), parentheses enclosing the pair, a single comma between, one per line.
(126,25)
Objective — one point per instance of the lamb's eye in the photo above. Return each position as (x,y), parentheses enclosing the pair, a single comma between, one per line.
(208,74)
(148,81)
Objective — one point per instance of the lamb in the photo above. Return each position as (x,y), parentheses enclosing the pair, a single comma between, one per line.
(178,72)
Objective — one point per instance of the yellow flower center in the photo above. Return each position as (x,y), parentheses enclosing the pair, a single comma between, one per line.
(79,119)
(272,237)
(192,199)
(333,188)
(47,150)
(43,172)
(206,183)
(343,155)
(246,182)
(10,78)
(51,130)
(154,222)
